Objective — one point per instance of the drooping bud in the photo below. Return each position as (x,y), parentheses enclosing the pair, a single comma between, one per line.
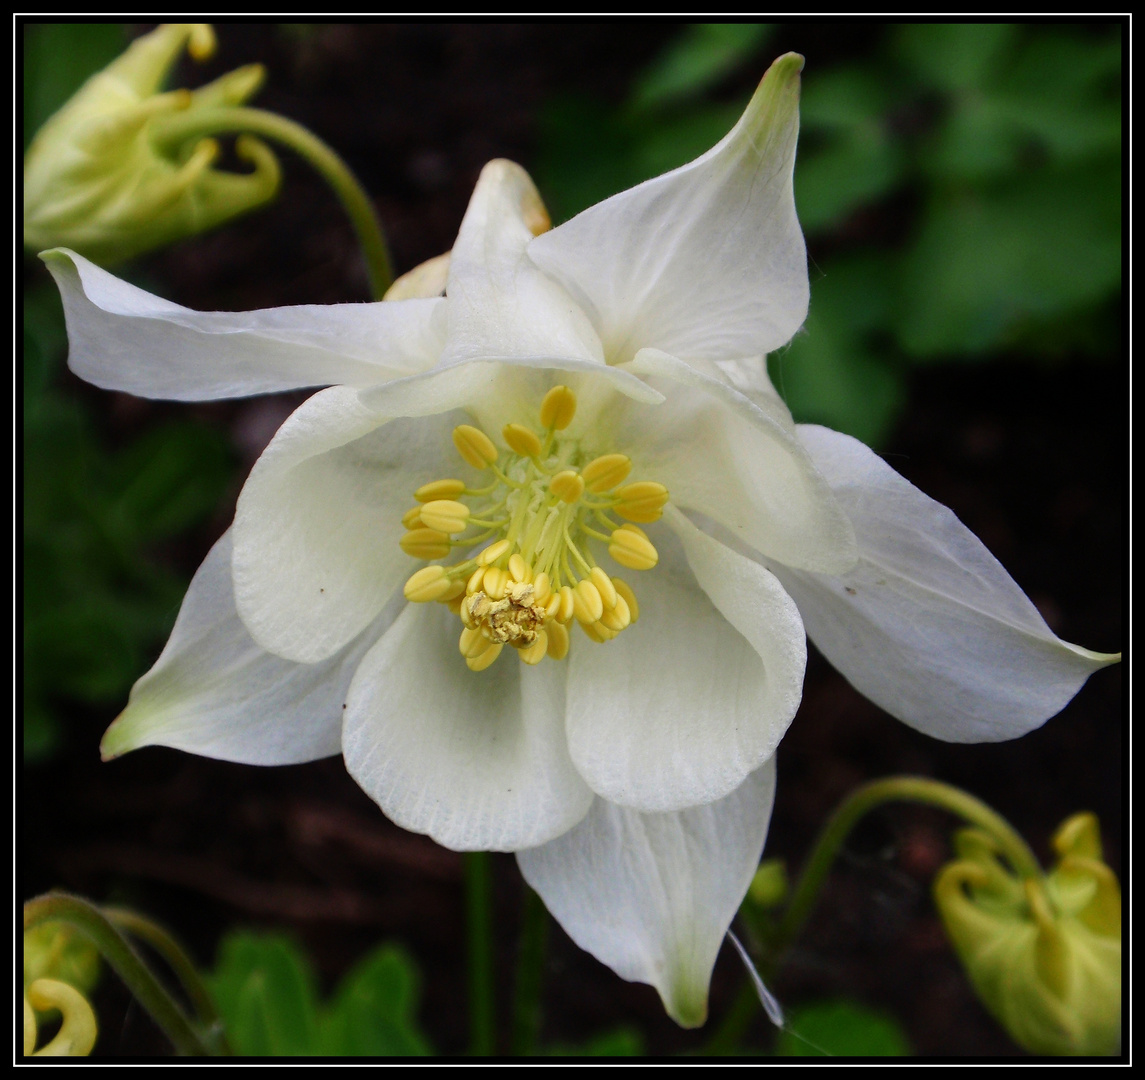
(101,177)
(1043,954)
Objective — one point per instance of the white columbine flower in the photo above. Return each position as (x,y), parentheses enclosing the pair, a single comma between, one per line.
(579,432)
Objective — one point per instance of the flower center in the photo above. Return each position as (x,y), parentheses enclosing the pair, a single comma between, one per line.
(543,508)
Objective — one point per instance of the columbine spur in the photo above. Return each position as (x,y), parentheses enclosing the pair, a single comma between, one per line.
(553,428)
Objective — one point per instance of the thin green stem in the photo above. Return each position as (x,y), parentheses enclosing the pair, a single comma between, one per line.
(918,789)
(479,924)
(530,971)
(179,128)
(167,947)
(893,789)
(89,920)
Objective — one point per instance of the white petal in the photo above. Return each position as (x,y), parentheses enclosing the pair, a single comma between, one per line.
(122,338)
(684,704)
(652,895)
(214,692)
(706,261)
(929,625)
(501,307)
(477,760)
(737,460)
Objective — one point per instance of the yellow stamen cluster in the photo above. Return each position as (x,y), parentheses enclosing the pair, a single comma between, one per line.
(544,503)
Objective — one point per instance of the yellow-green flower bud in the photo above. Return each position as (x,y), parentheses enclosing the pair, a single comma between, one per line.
(1043,954)
(100,178)
(56,951)
(768,888)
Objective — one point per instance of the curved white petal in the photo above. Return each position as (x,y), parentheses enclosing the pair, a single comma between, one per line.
(736,460)
(706,261)
(652,895)
(122,338)
(214,691)
(501,306)
(688,701)
(477,760)
(929,625)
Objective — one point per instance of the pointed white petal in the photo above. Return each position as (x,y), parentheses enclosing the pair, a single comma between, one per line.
(706,261)
(122,338)
(652,895)
(501,307)
(736,460)
(477,760)
(929,625)
(214,691)
(684,704)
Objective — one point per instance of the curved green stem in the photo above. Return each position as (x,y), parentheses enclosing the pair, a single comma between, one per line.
(530,969)
(893,789)
(916,789)
(166,946)
(179,128)
(89,920)
(479,924)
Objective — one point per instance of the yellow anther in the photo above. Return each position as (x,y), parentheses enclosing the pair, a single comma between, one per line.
(493,552)
(643,501)
(542,589)
(519,570)
(587,604)
(558,408)
(603,585)
(474,446)
(624,591)
(567,485)
(496,582)
(604,473)
(566,605)
(475,580)
(472,643)
(445,515)
(455,605)
(521,440)
(482,661)
(598,632)
(439,489)
(429,583)
(631,548)
(455,591)
(619,617)
(558,640)
(411,519)
(534,652)
(425,544)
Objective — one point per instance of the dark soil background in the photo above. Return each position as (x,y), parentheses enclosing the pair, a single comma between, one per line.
(1032,458)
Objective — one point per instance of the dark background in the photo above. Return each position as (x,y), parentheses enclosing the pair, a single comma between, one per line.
(1022,435)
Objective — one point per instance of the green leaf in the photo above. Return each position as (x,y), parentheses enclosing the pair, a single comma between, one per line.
(373,1013)
(698,59)
(987,264)
(841,1029)
(263,987)
(955,56)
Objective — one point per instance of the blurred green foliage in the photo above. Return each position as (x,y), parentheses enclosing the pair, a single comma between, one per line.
(959,186)
(841,1029)
(265,991)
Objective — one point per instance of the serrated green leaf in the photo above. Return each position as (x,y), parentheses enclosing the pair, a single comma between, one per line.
(841,1029)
